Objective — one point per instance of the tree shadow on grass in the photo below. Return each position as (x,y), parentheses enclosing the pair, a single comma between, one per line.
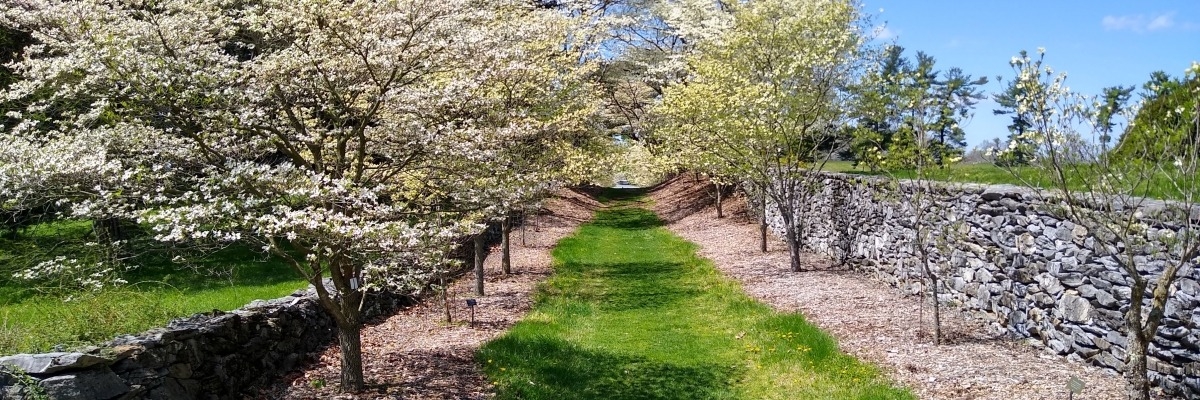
(613,195)
(626,286)
(538,367)
(234,265)
(628,218)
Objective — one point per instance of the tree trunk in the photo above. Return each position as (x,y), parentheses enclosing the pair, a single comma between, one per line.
(720,212)
(1137,387)
(108,232)
(762,236)
(479,256)
(762,227)
(351,344)
(792,237)
(933,283)
(937,312)
(445,297)
(921,315)
(794,250)
(505,259)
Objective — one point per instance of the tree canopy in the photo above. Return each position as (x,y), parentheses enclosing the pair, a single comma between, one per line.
(764,98)
(907,112)
(1160,132)
(354,140)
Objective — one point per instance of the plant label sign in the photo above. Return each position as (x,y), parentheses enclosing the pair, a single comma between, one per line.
(1075,385)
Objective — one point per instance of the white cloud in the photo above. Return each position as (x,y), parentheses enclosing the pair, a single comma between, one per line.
(1139,23)
(882,32)
(1112,23)
(1161,22)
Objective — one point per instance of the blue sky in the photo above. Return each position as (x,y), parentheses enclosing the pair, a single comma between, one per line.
(1097,43)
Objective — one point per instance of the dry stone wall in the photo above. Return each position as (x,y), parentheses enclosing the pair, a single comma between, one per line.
(1011,257)
(207,356)
(218,355)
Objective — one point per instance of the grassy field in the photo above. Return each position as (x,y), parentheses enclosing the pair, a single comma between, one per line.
(969,173)
(33,318)
(633,313)
(1159,186)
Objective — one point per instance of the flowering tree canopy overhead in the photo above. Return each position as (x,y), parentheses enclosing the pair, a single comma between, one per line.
(351,139)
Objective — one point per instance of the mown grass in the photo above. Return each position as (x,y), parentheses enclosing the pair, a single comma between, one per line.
(633,313)
(34,319)
(1158,185)
(976,173)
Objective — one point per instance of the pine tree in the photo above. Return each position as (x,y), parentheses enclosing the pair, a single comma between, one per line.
(957,95)
(1019,150)
(1115,99)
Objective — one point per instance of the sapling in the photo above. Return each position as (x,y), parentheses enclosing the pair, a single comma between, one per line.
(1107,193)
(910,104)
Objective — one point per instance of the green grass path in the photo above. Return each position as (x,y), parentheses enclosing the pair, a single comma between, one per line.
(633,313)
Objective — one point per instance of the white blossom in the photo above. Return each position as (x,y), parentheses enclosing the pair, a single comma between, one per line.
(358,135)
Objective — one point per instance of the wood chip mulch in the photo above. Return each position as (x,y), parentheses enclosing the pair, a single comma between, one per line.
(416,354)
(872,321)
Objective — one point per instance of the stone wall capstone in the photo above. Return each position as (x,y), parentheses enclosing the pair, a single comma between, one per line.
(1015,261)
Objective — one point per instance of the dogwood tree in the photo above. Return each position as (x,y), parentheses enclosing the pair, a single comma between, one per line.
(765,98)
(328,133)
(542,102)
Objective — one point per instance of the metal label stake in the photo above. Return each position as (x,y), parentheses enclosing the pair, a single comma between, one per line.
(1074,386)
(471,305)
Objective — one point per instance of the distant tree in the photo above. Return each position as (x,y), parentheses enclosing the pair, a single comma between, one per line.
(901,101)
(876,111)
(979,154)
(915,104)
(1114,102)
(956,95)
(1019,148)
(1167,102)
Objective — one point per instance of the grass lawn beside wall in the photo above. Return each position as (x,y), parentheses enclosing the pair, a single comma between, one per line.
(633,313)
(1158,186)
(33,319)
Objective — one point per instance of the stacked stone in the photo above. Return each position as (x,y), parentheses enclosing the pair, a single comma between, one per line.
(1012,258)
(216,355)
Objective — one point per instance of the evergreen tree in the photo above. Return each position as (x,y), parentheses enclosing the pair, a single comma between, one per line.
(1115,98)
(876,110)
(957,95)
(910,146)
(1020,148)
(902,95)
(1161,123)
